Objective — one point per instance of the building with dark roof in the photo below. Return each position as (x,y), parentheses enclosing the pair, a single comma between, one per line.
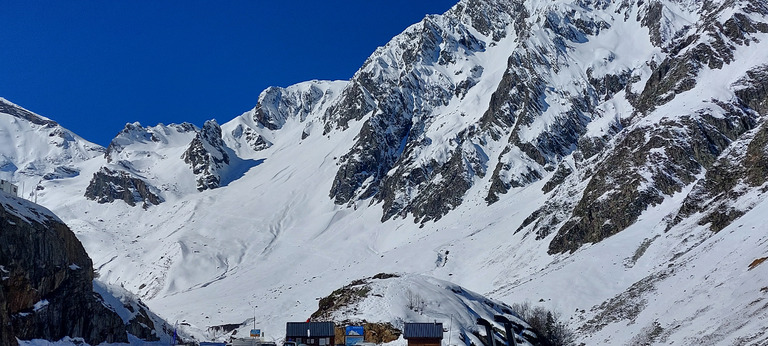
(423,334)
(311,333)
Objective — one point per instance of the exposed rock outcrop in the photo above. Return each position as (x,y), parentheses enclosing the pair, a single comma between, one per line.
(395,94)
(207,156)
(46,280)
(638,162)
(108,185)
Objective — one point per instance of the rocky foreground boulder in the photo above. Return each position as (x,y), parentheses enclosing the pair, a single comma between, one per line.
(46,282)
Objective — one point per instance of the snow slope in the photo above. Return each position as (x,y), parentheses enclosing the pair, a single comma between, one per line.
(505,129)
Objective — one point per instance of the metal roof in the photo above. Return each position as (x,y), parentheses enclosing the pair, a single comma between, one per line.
(423,330)
(316,329)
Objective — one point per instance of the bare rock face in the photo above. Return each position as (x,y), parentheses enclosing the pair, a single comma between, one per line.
(635,176)
(736,180)
(46,280)
(639,162)
(207,157)
(108,185)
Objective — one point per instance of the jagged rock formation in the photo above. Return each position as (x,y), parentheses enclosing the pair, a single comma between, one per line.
(256,129)
(108,185)
(649,160)
(46,281)
(732,185)
(396,94)
(134,133)
(555,98)
(207,157)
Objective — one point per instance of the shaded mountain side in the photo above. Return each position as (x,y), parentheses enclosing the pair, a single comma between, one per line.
(47,289)
(47,280)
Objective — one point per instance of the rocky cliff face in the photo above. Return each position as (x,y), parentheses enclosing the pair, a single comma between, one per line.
(557,96)
(207,157)
(564,77)
(256,129)
(666,143)
(397,94)
(47,289)
(107,186)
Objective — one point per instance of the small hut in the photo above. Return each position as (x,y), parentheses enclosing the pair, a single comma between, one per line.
(423,334)
(311,333)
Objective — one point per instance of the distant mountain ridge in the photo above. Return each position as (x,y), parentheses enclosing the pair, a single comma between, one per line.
(525,138)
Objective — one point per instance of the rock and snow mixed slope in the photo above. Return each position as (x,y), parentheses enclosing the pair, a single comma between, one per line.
(603,158)
(33,147)
(393,299)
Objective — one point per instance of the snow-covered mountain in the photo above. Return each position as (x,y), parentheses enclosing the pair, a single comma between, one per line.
(33,147)
(603,159)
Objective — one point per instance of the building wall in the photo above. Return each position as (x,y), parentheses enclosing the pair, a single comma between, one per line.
(313,341)
(9,188)
(424,342)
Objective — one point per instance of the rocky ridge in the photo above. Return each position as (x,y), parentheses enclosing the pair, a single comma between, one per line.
(107,186)
(256,129)
(207,156)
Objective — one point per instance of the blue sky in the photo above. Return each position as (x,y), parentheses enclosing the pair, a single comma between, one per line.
(94,66)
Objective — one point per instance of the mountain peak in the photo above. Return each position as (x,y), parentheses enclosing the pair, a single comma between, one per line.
(12,109)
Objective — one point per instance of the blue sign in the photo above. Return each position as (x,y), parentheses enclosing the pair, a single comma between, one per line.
(354,335)
(355,331)
(353,340)
(255,333)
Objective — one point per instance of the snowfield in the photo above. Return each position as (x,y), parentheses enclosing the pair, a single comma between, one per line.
(270,238)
